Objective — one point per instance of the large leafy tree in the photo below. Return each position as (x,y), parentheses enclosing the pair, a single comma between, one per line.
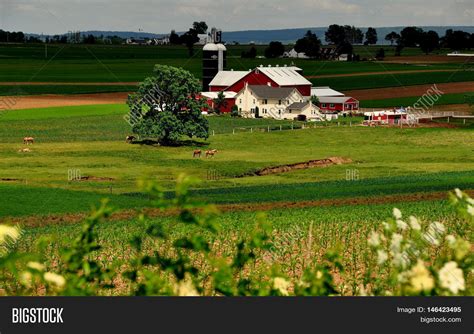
(309,44)
(392,37)
(274,50)
(371,36)
(429,41)
(166,107)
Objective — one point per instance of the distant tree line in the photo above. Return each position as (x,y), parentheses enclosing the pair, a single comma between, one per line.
(428,41)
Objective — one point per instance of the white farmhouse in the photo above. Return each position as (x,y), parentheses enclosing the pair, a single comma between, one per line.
(273,102)
(293,54)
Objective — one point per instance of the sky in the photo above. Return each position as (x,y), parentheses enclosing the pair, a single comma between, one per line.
(160,16)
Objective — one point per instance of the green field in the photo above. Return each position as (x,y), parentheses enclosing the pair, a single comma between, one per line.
(123,64)
(90,140)
(409,101)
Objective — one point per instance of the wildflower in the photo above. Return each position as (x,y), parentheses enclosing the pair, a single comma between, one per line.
(461,248)
(470,210)
(281,285)
(451,240)
(186,289)
(437,227)
(401,260)
(35,266)
(420,278)
(452,278)
(374,239)
(414,224)
(382,257)
(431,238)
(402,225)
(386,226)
(396,243)
(55,279)
(8,232)
(397,213)
(458,193)
(26,278)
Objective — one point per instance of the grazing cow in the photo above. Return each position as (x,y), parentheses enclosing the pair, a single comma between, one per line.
(28,140)
(130,139)
(197,154)
(211,153)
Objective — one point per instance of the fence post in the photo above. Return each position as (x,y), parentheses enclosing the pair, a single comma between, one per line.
(350,124)
(233,131)
(213,132)
(292,126)
(269,128)
(281,128)
(251,130)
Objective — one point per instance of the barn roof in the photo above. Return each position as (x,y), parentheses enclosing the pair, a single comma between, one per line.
(285,76)
(227,78)
(325,91)
(334,99)
(268,92)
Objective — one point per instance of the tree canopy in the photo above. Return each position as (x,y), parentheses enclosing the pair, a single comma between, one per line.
(309,44)
(274,50)
(166,107)
(371,36)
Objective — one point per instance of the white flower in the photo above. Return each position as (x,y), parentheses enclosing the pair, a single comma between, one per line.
(382,257)
(396,243)
(8,233)
(35,265)
(451,240)
(401,260)
(281,285)
(374,239)
(397,213)
(386,226)
(186,289)
(402,225)
(470,201)
(414,223)
(470,210)
(452,278)
(26,278)
(437,227)
(459,193)
(55,279)
(420,278)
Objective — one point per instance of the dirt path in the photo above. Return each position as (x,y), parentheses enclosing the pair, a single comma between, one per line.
(27,83)
(45,101)
(428,59)
(373,73)
(37,221)
(408,91)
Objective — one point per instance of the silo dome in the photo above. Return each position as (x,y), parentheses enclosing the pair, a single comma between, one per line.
(210,47)
(221,47)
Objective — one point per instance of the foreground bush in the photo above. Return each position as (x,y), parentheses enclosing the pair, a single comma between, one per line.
(406,257)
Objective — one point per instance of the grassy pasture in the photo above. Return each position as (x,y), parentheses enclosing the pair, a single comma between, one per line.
(90,139)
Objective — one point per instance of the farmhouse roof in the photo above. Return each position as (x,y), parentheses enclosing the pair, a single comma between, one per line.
(227,78)
(268,92)
(325,91)
(285,76)
(334,99)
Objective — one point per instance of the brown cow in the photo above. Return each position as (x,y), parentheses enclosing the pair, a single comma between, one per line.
(130,139)
(197,154)
(28,140)
(211,153)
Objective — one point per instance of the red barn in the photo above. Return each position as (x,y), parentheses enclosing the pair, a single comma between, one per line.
(337,104)
(211,96)
(235,81)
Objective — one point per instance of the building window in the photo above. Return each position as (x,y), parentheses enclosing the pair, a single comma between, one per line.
(265,101)
(253,101)
(279,102)
(323,105)
(331,105)
(240,101)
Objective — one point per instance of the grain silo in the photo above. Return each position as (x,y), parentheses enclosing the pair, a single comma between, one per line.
(214,58)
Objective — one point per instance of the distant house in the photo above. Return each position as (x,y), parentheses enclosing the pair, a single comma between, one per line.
(293,54)
(338,104)
(203,39)
(343,57)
